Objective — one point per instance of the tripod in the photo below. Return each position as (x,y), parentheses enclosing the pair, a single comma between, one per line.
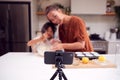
(59,72)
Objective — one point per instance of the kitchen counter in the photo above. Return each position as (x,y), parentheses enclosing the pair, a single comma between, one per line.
(28,66)
(117,40)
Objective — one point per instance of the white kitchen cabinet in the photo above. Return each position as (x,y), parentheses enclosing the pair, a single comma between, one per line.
(88,6)
(113,47)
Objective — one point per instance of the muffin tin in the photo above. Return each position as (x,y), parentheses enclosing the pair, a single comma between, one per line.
(90,55)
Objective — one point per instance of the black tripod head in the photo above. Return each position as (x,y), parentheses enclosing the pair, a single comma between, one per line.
(59,59)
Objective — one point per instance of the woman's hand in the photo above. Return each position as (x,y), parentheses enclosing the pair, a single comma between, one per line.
(57,46)
(53,41)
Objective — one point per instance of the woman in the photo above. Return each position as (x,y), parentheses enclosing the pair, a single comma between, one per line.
(72,30)
(42,42)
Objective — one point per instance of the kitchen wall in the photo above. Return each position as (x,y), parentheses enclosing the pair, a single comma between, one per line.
(117,2)
(98,23)
(45,3)
(42,19)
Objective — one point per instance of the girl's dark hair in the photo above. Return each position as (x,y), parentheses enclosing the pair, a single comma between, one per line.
(46,26)
(55,6)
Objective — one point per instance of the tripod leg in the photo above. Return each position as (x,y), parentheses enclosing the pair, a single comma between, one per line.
(60,75)
(63,75)
(54,75)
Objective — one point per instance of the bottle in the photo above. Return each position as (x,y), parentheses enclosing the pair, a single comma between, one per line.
(108,7)
(107,35)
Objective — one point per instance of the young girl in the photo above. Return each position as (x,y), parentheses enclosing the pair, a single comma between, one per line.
(42,43)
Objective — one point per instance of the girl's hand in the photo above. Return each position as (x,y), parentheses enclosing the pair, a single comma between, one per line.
(31,42)
(45,36)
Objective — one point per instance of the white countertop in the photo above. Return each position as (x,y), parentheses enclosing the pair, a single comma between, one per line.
(117,40)
(27,66)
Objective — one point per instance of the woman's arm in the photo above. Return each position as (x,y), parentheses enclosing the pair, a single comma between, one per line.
(71,46)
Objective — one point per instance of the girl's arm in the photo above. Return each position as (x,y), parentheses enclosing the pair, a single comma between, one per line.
(35,41)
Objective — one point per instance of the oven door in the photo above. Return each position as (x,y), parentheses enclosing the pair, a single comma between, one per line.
(100,46)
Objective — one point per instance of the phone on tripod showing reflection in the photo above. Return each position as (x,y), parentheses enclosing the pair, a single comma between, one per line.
(50,57)
(58,58)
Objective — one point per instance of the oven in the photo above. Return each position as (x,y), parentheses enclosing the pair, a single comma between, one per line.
(100,46)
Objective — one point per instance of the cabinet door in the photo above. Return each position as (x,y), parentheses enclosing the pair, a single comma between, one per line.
(112,47)
(88,6)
